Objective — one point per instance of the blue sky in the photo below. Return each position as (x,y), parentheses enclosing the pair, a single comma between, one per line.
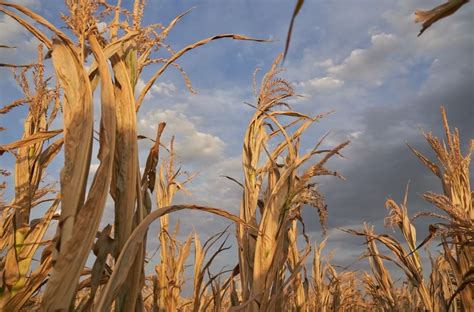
(360,58)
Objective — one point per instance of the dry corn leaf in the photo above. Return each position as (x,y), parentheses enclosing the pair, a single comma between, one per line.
(433,167)
(36,234)
(50,152)
(430,17)
(120,47)
(299,5)
(58,295)
(104,246)
(78,123)
(149,174)
(15,66)
(36,280)
(38,137)
(127,256)
(178,54)
(125,171)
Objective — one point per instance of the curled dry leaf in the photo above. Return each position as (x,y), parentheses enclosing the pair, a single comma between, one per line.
(32,139)
(430,17)
(178,54)
(85,220)
(297,9)
(127,256)
(149,175)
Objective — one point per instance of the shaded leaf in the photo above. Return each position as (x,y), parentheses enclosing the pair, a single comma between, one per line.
(297,9)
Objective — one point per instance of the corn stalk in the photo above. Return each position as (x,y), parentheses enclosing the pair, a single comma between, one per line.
(457,203)
(129,49)
(20,235)
(264,253)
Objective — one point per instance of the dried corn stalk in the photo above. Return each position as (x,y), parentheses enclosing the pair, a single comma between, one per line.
(20,235)
(457,203)
(128,48)
(170,270)
(263,254)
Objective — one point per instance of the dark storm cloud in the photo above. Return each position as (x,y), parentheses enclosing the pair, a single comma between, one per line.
(380,164)
(360,57)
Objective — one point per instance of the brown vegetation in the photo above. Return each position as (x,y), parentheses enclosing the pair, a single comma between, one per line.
(273,271)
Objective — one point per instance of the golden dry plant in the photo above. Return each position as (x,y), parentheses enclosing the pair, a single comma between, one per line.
(450,286)
(271,270)
(21,236)
(273,195)
(128,47)
(333,291)
(457,202)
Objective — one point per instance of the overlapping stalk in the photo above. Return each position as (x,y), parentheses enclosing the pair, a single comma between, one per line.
(450,287)
(278,181)
(263,254)
(21,236)
(128,49)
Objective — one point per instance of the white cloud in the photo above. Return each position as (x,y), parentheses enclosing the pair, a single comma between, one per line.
(371,65)
(211,189)
(191,144)
(163,88)
(356,134)
(326,63)
(11,29)
(160,88)
(444,47)
(326,83)
(199,144)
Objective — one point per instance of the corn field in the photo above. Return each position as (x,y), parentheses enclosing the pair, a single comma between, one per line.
(278,267)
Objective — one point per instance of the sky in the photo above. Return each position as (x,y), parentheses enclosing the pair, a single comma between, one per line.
(360,58)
